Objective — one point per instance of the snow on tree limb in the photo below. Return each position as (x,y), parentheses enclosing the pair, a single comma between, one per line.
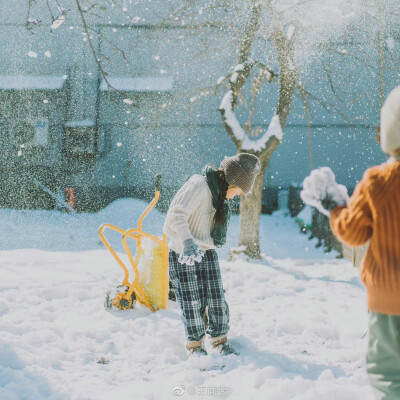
(230,118)
(220,80)
(57,22)
(239,68)
(274,129)
(234,77)
(243,141)
(290,32)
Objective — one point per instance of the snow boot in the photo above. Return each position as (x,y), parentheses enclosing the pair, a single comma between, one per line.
(196,348)
(227,349)
(223,346)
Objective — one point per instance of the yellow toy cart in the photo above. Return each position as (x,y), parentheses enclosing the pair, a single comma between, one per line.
(150,282)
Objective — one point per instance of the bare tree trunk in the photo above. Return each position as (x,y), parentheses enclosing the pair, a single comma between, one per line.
(250,211)
(287,76)
(250,205)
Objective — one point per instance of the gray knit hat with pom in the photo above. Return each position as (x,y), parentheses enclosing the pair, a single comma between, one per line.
(241,170)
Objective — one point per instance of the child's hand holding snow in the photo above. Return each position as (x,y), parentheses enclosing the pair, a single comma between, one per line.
(321,191)
(191,252)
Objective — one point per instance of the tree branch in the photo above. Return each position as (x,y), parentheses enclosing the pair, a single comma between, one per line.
(93,50)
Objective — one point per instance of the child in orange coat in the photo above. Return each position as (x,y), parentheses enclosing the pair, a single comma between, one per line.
(373,214)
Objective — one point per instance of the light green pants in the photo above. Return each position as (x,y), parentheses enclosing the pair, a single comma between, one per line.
(383,356)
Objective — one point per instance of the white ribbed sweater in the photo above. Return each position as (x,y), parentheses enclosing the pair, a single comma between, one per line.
(191,215)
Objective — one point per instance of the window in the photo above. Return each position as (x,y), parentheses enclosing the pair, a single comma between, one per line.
(30,133)
(41,133)
(80,139)
(23,134)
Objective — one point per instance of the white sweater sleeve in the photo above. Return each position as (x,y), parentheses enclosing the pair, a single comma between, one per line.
(185,202)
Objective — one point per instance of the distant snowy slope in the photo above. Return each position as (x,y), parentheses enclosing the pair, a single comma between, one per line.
(57,231)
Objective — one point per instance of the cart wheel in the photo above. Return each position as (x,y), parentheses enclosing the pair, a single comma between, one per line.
(114,294)
(124,303)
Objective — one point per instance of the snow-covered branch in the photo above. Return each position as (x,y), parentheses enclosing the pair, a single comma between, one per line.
(233,126)
(290,32)
(238,135)
(257,146)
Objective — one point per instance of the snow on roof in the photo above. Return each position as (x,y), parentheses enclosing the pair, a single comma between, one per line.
(31,82)
(144,84)
(83,123)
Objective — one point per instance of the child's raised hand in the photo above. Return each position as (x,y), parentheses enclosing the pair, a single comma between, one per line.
(321,191)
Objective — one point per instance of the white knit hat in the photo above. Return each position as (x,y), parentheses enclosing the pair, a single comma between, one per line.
(390,122)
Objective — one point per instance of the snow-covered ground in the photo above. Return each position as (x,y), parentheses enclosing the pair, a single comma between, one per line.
(298,317)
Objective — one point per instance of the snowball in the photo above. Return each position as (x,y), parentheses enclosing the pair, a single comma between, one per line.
(47,54)
(128,101)
(321,185)
(32,54)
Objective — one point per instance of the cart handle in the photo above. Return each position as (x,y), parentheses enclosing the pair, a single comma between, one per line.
(150,206)
(112,251)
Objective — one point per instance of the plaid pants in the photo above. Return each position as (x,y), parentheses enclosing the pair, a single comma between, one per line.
(197,286)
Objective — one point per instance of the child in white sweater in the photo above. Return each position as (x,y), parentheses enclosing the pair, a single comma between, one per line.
(196,223)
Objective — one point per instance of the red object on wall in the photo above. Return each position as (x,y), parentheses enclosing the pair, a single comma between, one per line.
(70,196)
